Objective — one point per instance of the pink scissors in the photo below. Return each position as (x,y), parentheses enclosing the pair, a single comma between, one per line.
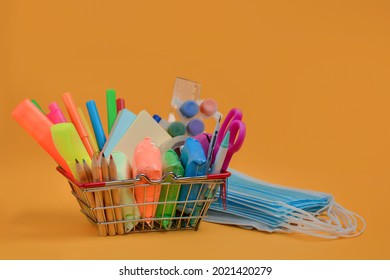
(233,123)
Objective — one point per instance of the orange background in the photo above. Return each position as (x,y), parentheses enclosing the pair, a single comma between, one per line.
(312,78)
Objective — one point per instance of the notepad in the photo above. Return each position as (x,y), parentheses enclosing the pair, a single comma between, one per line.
(143,126)
(122,123)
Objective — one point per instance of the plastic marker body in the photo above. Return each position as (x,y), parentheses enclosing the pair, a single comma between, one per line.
(221,155)
(69,145)
(193,159)
(120,104)
(75,118)
(219,159)
(88,128)
(36,104)
(130,213)
(55,114)
(171,163)
(147,160)
(111,108)
(38,126)
(96,123)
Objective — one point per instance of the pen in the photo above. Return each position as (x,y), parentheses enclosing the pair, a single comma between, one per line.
(74,117)
(96,123)
(212,144)
(120,104)
(111,108)
(107,197)
(91,136)
(55,114)
(221,155)
(95,170)
(116,196)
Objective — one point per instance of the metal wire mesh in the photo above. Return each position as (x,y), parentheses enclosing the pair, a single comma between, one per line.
(116,209)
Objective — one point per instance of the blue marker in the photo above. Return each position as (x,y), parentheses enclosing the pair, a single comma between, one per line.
(96,123)
(193,159)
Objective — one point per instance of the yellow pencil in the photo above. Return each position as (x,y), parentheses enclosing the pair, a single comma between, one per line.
(95,170)
(81,177)
(87,178)
(107,197)
(116,196)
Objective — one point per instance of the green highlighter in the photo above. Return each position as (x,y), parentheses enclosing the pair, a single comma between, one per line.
(170,163)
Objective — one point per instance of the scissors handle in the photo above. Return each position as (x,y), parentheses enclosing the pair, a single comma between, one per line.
(237,136)
(234,114)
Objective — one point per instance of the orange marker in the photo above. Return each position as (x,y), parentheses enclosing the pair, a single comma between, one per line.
(75,118)
(38,126)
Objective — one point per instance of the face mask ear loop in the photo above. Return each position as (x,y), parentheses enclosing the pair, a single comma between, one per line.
(355,217)
(333,230)
(302,215)
(311,225)
(349,221)
(299,230)
(316,224)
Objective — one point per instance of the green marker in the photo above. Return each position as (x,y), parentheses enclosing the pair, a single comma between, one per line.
(36,104)
(171,163)
(111,108)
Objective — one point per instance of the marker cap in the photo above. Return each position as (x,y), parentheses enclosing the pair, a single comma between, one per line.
(38,126)
(32,119)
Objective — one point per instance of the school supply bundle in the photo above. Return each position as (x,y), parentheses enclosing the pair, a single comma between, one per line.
(138,175)
(148,173)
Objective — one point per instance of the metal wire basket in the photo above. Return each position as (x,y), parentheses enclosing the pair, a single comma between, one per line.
(115,209)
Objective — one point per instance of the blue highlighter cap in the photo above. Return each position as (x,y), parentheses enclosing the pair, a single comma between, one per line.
(189,109)
(195,127)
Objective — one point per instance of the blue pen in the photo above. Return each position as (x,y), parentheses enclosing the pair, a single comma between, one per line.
(96,123)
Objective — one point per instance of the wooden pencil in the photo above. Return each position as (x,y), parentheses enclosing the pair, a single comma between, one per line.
(88,178)
(116,197)
(95,170)
(82,178)
(107,197)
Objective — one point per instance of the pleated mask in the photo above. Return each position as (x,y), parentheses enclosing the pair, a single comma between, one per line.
(252,203)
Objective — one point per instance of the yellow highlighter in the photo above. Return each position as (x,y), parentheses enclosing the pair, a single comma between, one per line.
(88,128)
(69,145)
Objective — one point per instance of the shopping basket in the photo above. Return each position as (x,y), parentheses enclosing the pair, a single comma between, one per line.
(104,205)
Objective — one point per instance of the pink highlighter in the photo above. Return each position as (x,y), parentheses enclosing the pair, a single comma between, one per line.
(55,114)
(38,126)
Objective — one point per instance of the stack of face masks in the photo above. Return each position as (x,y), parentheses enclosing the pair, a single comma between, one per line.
(252,203)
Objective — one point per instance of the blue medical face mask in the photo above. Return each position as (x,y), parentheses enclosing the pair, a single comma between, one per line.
(253,203)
